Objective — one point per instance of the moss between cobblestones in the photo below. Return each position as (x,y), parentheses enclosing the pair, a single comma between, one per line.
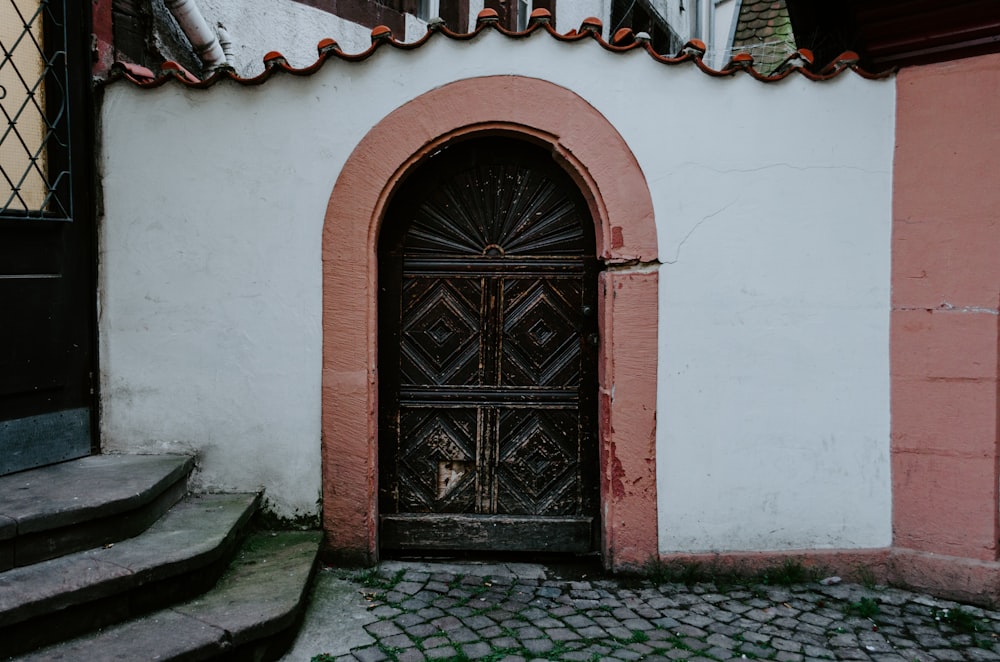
(374,579)
(865,608)
(963,621)
(558,650)
(777,618)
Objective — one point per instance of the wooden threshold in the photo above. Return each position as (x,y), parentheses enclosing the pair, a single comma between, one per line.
(502,533)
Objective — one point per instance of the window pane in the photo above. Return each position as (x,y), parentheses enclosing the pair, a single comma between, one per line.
(24,181)
(523,13)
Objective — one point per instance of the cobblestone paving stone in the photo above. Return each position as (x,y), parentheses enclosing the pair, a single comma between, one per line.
(454,616)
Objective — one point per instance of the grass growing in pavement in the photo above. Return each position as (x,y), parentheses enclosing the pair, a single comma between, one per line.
(866,577)
(725,577)
(475,592)
(788,573)
(960,620)
(372,578)
(865,608)
(661,640)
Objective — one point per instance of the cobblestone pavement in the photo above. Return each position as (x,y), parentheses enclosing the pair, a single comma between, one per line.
(450,612)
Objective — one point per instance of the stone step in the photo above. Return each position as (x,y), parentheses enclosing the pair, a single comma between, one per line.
(179,556)
(251,614)
(85,503)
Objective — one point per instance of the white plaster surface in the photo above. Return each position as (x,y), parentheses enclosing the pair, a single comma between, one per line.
(772,206)
(570,15)
(257,27)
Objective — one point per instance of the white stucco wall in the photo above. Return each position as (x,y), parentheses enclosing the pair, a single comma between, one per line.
(257,27)
(772,206)
(773,408)
(570,15)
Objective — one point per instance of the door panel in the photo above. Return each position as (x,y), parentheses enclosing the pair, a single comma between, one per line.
(46,233)
(437,461)
(440,331)
(486,365)
(541,342)
(538,469)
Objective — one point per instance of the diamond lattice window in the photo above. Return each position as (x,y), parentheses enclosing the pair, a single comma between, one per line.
(34,174)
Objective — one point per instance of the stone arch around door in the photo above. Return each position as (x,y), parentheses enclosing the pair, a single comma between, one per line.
(598,159)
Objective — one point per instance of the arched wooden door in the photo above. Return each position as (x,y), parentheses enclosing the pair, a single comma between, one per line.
(487,355)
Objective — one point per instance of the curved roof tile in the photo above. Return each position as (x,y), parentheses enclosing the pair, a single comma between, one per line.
(800,62)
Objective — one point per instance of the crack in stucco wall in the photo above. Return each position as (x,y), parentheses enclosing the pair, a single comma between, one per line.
(704,219)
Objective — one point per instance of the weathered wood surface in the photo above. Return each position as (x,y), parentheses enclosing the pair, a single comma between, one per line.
(488,396)
(487,532)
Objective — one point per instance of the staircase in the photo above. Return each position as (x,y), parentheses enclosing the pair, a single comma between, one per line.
(109,557)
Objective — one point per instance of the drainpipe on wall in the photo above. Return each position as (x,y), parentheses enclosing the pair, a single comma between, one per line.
(203,39)
(225,42)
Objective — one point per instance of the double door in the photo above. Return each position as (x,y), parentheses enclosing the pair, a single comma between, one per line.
(487,356)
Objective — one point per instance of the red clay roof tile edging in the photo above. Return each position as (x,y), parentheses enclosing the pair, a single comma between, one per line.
(622,41)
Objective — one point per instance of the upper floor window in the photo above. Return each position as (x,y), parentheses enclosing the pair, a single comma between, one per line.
(523,13)
(428,9)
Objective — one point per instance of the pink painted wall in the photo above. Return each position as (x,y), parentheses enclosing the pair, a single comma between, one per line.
(628,418)
(946,289)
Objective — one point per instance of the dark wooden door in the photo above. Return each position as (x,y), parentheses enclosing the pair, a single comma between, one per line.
(47,287)
(487,355)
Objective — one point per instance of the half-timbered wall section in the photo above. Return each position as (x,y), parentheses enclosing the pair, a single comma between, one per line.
(742,236)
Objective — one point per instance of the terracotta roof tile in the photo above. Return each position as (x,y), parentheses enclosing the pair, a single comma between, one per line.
(326,45)
(592,24)
(137,71)
(622,36)
(381,32)
(543,15)
(692,54)
(171,69)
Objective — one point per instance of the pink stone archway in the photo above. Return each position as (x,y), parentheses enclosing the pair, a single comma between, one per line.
(597,157)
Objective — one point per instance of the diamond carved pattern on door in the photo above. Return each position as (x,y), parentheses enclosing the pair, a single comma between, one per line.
(538,464)
(487,362)
(440,333)
(541,346)
(435,440)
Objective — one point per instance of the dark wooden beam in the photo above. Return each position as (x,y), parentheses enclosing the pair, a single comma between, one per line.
(890,33)
(369,14)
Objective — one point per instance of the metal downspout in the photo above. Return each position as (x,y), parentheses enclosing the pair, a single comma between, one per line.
(203,39)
